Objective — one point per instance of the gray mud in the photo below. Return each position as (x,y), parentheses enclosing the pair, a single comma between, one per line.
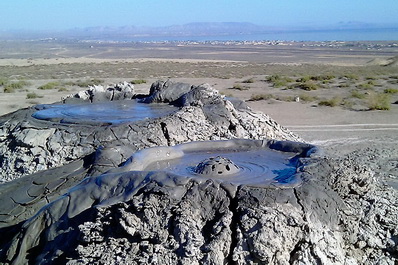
(83,193)
(115,112)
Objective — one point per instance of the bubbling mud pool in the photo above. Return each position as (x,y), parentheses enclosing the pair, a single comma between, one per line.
(255,167)
(236,162)
(110,112)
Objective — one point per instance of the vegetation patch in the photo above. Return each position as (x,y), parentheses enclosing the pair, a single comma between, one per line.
(391,91)
(248,81)
(335,101)
(239,87)
(33,95)
(85,83)
(257,97)
(138,81)
(279,81)
(379,101)
(307,98)
(11,87)
(3,81)
(308,86)
(357,94)
(49,86)
(351,76)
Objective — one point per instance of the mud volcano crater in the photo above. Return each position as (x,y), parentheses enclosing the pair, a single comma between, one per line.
(257,163)
(113,112)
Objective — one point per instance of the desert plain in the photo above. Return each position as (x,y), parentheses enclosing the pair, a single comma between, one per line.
(339,95)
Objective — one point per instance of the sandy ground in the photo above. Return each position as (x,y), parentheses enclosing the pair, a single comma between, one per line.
(330,127)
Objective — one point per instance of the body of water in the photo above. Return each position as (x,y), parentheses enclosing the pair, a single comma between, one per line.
(318,35)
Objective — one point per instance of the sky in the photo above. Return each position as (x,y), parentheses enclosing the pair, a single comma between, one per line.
(60,15)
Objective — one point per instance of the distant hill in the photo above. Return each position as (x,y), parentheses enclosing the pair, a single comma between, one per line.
(190,29)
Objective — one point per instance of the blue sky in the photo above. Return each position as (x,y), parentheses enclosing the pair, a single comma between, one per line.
(57,14)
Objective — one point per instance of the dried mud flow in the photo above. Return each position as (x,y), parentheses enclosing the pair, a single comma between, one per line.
(168,189)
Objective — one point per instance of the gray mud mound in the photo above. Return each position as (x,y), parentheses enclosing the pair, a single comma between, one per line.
(151,211)
(82,185)
(47,136)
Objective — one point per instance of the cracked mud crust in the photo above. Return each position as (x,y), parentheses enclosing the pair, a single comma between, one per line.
(75,194)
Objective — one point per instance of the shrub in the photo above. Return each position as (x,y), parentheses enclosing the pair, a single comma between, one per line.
(357,94)
(344,84)
(3,81)
(351,76)
(273,78)
(307,98)
(365,86)
(9,89)
(138,81)
(308,86)
(16,85)
(48,86)
(248,81)
(61,89)
(258,97)
(379,101)
(391,91)
(278,81)
(239,87)
(322,78)
(285,98)
(85,83)
(335,101)
(32,95)
(304,79)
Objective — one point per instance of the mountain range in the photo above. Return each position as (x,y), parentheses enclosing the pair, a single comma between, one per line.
(185,30)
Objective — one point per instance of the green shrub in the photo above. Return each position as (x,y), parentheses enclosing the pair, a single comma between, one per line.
(258,97)
(357,94)
(344,84)
(335,101)
(279,81)
(379,101)
(307,98)
(391,91)
(351,76)
(248,81)
(62,89)
(138,81)
(308,86)
(85,83)
(48,86)
(322,78)
(365,86)
(285,98)
(16,85)
(273,78)
(239,87)
(9,89)
(3,81)
(32,95)
(304,79)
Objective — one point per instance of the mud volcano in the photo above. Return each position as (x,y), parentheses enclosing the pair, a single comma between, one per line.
(172,189)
